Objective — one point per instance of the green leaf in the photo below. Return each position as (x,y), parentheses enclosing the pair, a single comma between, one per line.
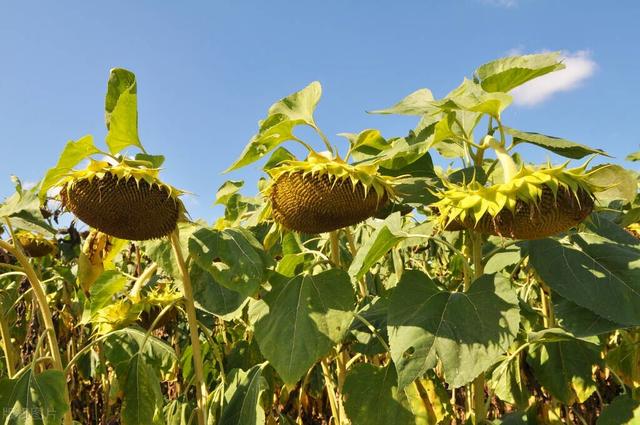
(373,397)
(155,161)
(278,157)
(466,331)
(419,102)
(503,75)
(592,272)
(213,297)
(23,207)
(103,290)
(564,368)
(311,313)
(620,183)
(242,397)
(508,382)
(73,153)
(295,109)
(633,156)
(233,256)
(580,321)
(142,402)
(388,235)
(472,97)
(32,398)
(562,147)
(622,411)
(228,189)
(121,111)
(122,345)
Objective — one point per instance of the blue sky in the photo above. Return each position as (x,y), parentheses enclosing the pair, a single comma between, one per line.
(208,71)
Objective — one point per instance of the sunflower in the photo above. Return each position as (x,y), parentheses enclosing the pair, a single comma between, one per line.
(35,245)
(324,193)
(125,201)
(532,203)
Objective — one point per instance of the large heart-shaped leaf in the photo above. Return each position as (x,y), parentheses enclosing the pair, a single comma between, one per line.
(467,331)
(242,397)
(73,153)
(563,367)
(121,346)
(419,102)
(295,109)
(32,398)
(121,110)
(311,313)
(593,272)
(373,397)
(233,256)
(508,73)
(212,297)
(143,401)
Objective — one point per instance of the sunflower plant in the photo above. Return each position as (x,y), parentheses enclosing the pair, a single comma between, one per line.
(437,277)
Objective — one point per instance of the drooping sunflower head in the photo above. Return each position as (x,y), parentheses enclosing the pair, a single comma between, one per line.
(534,204)
(324,193)
(35,245)
(125,201)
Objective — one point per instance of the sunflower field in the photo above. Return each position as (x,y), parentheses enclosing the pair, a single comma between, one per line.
(434,278)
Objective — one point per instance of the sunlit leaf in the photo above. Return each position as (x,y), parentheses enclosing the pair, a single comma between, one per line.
(142,402)
(295,109)
(122,345)
(564,367)
(24,207)
(242,397)
(234,258)
(417,103)
(466,331)
(508,73)
(619,183)
(33,398)
(311,313)
(73,153)
(593,272)
(557,145)
(213,297)
(228,189)
(121,110)
(388,235)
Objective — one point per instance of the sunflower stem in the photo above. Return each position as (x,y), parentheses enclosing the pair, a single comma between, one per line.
(509,167)
(335,248)
(7,347)
(45,311)
(478,406)
(201,388)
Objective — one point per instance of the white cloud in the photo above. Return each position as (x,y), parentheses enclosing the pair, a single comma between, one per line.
(501,3)
(579,67)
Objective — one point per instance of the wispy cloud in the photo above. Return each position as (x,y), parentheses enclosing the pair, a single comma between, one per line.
(500,3)
(579,67)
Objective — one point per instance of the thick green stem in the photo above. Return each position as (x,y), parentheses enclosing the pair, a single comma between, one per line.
(509,167)
(201,387)
(479,406)
(45,312)
(7,346)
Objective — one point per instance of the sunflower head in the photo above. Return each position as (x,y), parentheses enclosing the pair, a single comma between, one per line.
(122,200)
(324,193)
(534,204)
(35,245)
